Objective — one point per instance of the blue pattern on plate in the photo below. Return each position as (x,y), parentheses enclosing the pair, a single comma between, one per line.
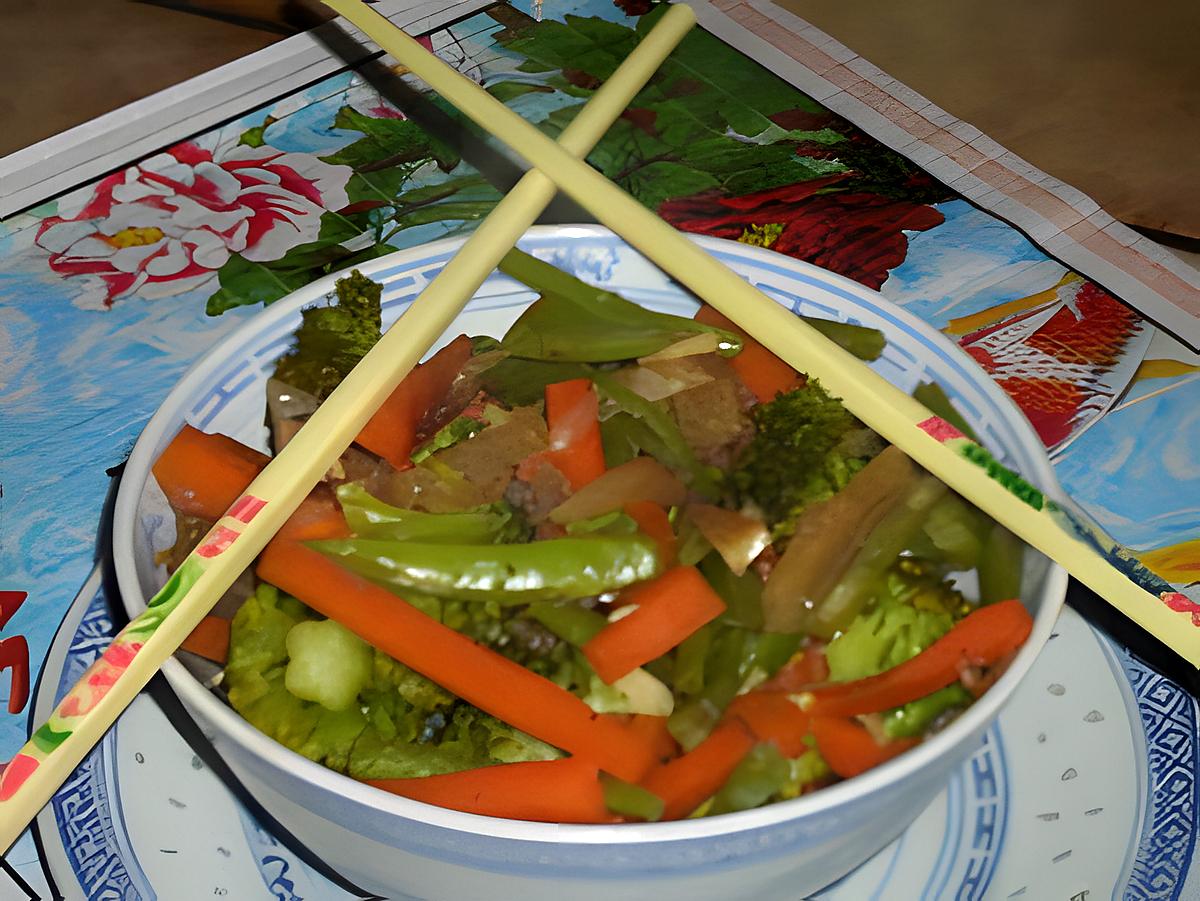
(88,806)
(1164,854)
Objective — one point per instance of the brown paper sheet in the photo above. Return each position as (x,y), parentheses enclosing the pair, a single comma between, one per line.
(1102,94)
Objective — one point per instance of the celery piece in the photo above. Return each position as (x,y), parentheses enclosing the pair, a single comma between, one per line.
(957,531)
(258,644)
(802,772)
(574,321)
(568,620)
(913,719)
(689,661)
(742,594)
(1000,566)
(614,522)
(880,550)
(729,660)
(630,800)
(691,546)
(761,774)
(772,650)
(328,664)
(692,721)
(623,437)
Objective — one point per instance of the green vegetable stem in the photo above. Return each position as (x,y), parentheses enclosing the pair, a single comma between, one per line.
(1000,566)
(878,553)
(761,774)
(630,800)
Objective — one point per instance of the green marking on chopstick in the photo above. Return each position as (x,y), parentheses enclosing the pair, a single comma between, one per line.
(1016,485)
(46,739)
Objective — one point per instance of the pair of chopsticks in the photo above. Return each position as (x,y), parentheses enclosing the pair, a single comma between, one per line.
(137,652)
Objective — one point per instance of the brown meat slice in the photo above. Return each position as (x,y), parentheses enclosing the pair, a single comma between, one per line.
(713,420)
(487,461)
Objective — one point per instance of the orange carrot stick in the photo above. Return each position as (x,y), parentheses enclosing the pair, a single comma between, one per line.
(773,716)
(981,638)
(573,419)
(653,521)
(202,475)
(688,781)
(471,671)
(654,730)
(669,609)
(210,639)
(551,791)
(760,370)
(392,431)
(849,748)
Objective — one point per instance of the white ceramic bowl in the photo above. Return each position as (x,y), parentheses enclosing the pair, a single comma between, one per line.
(406,849)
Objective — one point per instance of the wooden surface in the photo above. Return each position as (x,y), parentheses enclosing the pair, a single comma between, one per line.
(68,61)
(1102,94)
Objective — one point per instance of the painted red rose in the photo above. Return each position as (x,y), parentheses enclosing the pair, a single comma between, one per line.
(856,234)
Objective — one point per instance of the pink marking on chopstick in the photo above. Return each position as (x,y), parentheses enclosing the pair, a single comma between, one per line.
(16,771)
(246,507)
(99,679)
(1181,603)
(936,427)
(218,543)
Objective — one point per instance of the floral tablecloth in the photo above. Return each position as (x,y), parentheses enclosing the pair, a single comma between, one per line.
(109,293)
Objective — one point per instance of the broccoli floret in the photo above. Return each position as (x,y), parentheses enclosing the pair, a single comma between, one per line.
(332,339)
(799,454)
(914,609)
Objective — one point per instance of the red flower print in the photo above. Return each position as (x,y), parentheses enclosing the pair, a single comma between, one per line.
(859,235)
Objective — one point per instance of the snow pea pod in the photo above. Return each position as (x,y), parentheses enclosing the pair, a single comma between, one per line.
(369,517)
(574,321)
(555,570)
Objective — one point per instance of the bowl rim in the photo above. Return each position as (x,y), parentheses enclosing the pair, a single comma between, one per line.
(272,753)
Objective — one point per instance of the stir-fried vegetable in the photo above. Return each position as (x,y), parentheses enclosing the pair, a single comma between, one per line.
(803,452)
(619,565)
(573,321)
(554,570)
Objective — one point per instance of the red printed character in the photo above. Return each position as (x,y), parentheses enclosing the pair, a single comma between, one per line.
(14,652)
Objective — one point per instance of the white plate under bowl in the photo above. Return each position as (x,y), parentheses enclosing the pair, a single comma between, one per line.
(404,848)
